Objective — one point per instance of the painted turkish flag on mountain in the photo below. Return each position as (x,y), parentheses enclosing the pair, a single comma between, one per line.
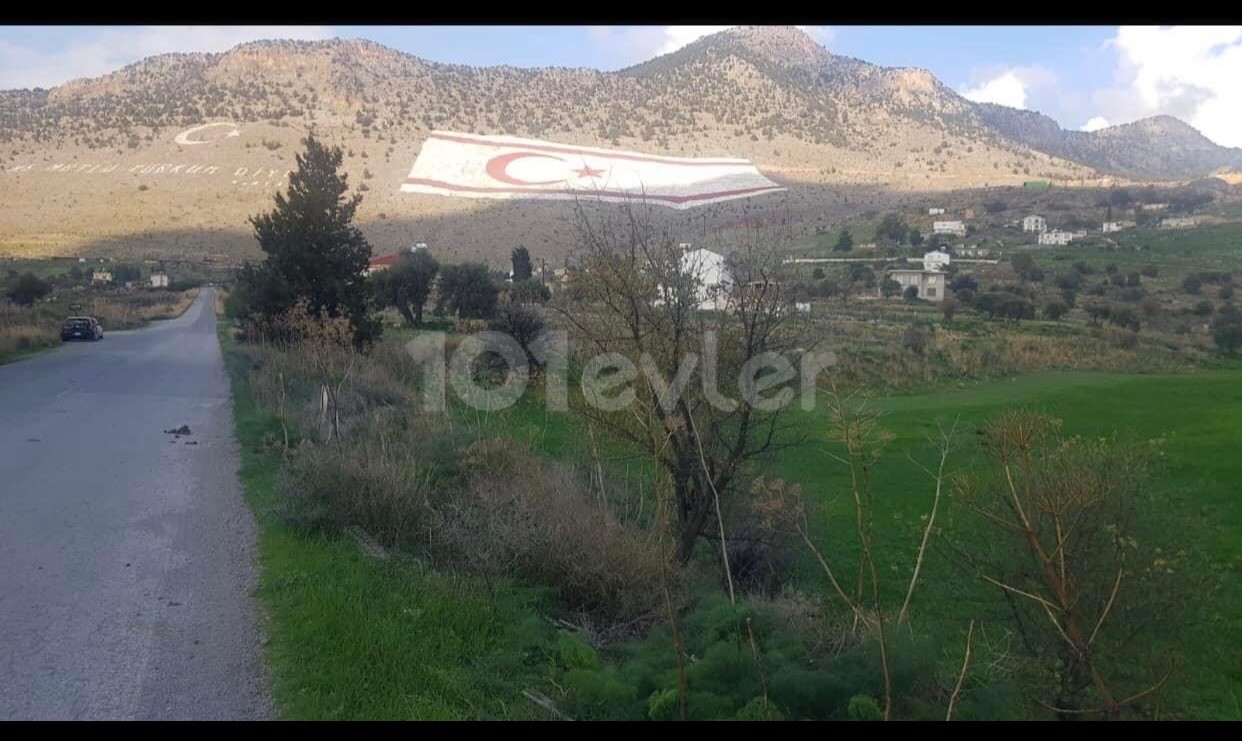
(474,166)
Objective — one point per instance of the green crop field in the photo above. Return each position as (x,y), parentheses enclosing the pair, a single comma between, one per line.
(1197,482)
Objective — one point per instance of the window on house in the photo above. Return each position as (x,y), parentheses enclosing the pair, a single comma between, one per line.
(931,292)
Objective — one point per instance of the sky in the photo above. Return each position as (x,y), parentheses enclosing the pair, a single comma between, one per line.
(1085,77)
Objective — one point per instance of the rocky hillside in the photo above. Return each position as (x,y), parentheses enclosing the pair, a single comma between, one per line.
(105,161)
(1158,147)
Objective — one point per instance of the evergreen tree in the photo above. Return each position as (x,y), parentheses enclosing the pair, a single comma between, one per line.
(845,242)
(313,249)
(522,268)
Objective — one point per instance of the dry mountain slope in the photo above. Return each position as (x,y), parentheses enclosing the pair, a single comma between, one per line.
(96,163)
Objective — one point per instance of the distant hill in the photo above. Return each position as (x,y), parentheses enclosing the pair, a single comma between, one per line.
(97,163)
(1157,147)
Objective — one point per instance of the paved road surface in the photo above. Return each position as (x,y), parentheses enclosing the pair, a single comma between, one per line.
(127,556)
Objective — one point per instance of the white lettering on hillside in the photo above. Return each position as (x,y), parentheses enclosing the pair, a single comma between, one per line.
(243,177)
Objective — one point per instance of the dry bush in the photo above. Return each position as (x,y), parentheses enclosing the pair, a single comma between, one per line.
(131,309)
(24,329)
(385,480)
(520,514)
(289,379)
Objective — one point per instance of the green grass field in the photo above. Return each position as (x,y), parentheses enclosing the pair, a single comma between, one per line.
(345,637)
(1174,252)
(1199,480)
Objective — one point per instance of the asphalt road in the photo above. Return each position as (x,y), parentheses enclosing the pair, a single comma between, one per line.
(127,556)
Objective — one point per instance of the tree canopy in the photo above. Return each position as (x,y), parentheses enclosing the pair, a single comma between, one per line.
(312,248)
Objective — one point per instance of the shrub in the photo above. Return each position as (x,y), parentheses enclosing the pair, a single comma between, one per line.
(948,309)
(27,289)
(1054,310)
(521,514)
(386,480)
(523,324)
(1228,337)
(529,292)
(916,340)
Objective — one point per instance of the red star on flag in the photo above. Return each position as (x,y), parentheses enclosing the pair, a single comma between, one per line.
(589,172)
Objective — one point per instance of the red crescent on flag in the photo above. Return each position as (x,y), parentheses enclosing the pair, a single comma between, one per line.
(497,166)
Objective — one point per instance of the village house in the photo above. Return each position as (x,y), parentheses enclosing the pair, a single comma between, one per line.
(930,282)
(935,211)
(1116,226)
(1059,237)
(1153,206)
(101,276)
(383,262)
(159,280)
(973,252)
(1183,222)
(1034,223)
(956,228)
(711,274)
(936,260)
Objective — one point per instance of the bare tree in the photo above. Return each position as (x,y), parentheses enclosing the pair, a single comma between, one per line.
(637,293)
(1064,514)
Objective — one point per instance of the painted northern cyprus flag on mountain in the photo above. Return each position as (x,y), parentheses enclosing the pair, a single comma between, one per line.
(476,166)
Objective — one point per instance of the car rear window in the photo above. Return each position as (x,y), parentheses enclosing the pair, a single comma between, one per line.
(77,323)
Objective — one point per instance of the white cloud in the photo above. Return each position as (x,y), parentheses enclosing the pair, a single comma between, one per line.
(1191,72)
(676,37)
(1007,86)
(1096,123)
(99,51)
(634,44)
(1005,89)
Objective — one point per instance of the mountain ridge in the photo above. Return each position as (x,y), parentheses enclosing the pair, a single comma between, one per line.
(826,125)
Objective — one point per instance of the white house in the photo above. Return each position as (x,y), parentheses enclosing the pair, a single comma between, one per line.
(1034,223)
(935,211)
(1059,238)
(957,228)
(159,280)
(1112,226)
(929,283)
(935,261)
(711,274)
(1178,222)
(101,276)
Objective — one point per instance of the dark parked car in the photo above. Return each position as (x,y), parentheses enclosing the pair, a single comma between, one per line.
(81,328)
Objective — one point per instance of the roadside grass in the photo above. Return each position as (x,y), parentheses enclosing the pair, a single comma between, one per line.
(350,637)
